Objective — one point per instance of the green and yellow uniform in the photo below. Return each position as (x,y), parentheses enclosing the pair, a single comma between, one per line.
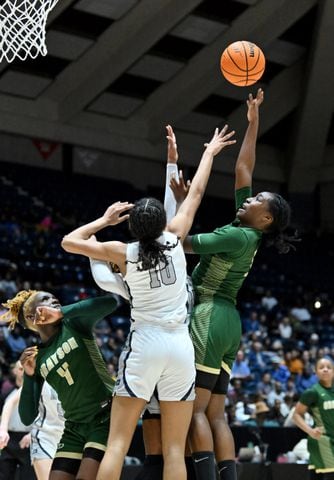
(72,364)
(226,257)
(320,403)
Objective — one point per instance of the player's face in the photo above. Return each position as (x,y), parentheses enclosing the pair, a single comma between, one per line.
(46,299)
(255,213)
(42,299)
(325,370)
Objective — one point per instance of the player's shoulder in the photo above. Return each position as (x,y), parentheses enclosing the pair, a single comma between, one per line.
(234,232)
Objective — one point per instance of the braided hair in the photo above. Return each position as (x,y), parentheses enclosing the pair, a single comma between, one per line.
(146,222)
(281,213)
(17,308)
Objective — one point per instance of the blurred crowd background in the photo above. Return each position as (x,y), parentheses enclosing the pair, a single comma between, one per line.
(285,304)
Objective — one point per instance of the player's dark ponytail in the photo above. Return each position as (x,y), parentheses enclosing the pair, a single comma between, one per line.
(281,213)
(146,222)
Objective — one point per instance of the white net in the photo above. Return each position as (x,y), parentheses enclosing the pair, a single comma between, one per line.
(22,28)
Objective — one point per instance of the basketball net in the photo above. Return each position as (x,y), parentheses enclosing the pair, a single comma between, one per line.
(22,28)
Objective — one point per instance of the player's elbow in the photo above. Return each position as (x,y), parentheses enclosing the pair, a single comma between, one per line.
(67,244)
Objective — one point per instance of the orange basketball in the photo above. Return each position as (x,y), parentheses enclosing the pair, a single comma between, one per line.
(242,63)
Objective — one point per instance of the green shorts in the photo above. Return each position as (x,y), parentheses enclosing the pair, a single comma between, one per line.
(321,454)
(79,436)
(215,330)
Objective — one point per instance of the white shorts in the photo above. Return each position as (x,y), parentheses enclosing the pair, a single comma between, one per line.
(44,444)
(158,358)
(153,406)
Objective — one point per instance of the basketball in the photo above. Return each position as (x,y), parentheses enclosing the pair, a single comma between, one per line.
(242,63)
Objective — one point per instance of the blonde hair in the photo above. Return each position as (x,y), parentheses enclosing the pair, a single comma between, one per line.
(17,305)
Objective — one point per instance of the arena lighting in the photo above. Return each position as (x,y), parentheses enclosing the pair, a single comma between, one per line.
(317,304)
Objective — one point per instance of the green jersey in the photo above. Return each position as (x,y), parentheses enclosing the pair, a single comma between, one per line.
(320,403)
(226,257)
(72,364)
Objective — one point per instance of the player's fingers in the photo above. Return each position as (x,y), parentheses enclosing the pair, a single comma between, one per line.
(123,218)
(228,135)
(229,142)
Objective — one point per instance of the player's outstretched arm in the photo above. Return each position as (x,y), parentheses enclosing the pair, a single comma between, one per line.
(246,159)
(81,240)
(182,222)
(171,172)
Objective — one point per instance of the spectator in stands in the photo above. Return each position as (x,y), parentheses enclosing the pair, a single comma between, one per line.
(240,368)
(285,328)
(265,386)
(14,437)
(300,312)
(251,323)
(276,394)
(294,362)
(290,388)
(260,416)
(16,342)
(110,349)
(278,412)
(257,360)
(8,285)
(306,379)
(268,301)
(9,381)
(280,372)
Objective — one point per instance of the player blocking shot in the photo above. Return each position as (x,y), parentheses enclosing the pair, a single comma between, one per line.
(154,269)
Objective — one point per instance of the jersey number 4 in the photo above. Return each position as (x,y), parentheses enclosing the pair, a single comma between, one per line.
(64,372)
(163,274)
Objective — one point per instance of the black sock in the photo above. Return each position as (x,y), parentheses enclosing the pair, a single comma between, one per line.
(227,470)
(152,468)
(191,474)
(204,465)
(153,460)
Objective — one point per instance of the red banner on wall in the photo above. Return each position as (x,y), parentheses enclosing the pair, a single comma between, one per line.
(45,148)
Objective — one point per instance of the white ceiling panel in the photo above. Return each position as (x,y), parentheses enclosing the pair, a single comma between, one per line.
(156,68)
(64,45)
(115,105)
(113,9)
(23,84)
(198,29)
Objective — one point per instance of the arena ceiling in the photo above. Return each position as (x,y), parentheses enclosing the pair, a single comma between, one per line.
(118,70)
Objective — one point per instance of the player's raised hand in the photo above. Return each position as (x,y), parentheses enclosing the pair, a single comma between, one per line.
(220,140)
(28,360)
(179,188)
(115,214)
(172,153)
(253,105)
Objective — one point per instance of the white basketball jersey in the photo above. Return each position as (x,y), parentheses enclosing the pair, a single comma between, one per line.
(50,413)
(158,296)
